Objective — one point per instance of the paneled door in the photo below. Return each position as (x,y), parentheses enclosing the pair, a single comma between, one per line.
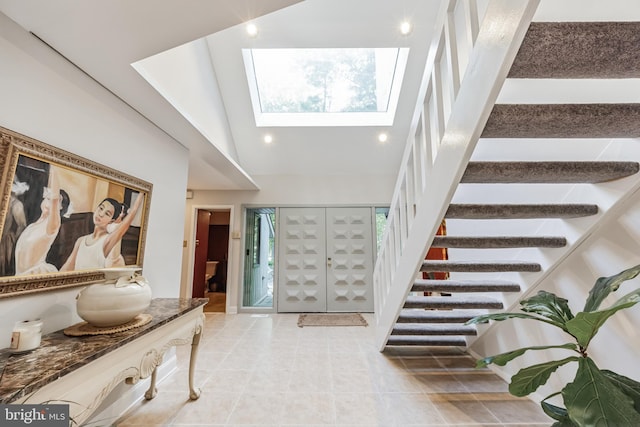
(302,260)
(349,260)
(325,260)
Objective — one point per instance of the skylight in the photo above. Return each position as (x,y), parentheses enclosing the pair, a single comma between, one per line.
(325,87)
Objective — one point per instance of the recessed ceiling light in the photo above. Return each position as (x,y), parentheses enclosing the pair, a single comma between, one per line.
(268,139)
(382,137)
(405,28)
(252,30)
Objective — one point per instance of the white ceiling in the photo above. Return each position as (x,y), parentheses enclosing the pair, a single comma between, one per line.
(105,37)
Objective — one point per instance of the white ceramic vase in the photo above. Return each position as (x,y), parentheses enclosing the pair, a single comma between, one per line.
(120,298)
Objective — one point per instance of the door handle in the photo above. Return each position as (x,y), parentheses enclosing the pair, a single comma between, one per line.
(328,262)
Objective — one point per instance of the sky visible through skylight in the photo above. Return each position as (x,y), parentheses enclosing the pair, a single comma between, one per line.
(319,80)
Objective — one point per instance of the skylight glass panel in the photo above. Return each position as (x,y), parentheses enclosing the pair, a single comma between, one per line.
(317,86)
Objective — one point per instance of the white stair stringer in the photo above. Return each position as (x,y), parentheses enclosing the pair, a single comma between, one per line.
(464,104)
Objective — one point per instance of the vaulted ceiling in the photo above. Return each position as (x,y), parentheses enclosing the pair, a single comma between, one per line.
(201,97)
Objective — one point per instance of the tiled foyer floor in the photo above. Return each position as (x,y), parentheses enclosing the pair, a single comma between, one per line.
(263,370)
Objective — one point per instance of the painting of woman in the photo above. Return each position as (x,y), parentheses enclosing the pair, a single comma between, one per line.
(35,241)
(101,248)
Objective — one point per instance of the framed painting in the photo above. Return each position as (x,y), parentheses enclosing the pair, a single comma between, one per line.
(64,217)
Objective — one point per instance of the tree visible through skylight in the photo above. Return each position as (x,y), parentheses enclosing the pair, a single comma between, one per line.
(324,80)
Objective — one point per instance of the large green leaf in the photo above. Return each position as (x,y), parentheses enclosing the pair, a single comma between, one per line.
(605,285)
(484,318)
(628,386)
(594,400)
(549,306)
(528,380)
(586,324)
(632,297)
(503,358)
(564,423)
(556,412)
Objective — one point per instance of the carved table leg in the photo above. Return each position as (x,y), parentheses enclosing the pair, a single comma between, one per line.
(151,393)
(193,392)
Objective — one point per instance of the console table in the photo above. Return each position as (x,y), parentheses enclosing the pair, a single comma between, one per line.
(82,371)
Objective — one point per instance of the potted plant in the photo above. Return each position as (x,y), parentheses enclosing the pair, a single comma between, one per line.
(596,397)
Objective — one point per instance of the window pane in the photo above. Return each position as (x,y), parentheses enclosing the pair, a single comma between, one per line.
(324,80)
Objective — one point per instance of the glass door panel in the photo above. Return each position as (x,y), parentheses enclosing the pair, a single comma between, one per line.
(259,258)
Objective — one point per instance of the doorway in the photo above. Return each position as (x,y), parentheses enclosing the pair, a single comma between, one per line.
(211,257)
(259,258)
(325,260)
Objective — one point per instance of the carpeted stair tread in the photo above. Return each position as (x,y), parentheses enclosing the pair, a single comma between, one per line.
(436,316)
(519,211)
(466,302)
(579,50)
(418,340)
(478,266)
(433,329)
(493,242)
(563,121)
(547,172)
(454,286)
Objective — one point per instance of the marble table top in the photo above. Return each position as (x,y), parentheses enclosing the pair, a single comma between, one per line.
(59,354)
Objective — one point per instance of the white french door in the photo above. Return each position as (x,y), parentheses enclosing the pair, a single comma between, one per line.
(325,260)
(349,260)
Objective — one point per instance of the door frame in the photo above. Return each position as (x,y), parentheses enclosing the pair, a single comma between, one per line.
(191,248)
(246,253)
(276,275)
(243,261)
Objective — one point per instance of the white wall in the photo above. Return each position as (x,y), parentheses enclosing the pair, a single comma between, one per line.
(46,98)
(277,191)
(185,77)
(613,247)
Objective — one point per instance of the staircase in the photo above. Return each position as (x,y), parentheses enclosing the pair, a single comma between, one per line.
(435,327)
(513,226)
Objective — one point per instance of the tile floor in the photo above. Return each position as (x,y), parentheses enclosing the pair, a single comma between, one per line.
(263,370)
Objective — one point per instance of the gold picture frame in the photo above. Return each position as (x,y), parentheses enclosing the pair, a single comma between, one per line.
(64,217)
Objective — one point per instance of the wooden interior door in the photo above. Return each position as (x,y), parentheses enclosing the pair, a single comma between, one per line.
(201,253)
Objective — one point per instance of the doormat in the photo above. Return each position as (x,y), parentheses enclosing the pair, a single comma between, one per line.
(343,319)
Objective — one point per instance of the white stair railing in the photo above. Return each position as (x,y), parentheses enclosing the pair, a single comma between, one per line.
(469,59)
